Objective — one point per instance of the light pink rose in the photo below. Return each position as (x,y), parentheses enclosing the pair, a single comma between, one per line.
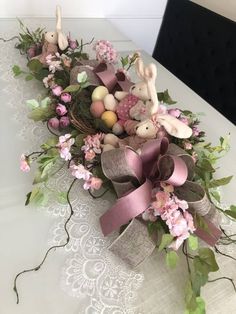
(65,97)
(64,122)
(57,90)
(61,110)
(188,145)
(196,131)
(24,163)
(96,183)
(54,123)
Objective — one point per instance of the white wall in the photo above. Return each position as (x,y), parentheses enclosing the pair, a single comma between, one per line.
(138,20)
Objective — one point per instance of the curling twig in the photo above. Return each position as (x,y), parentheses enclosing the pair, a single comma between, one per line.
(51,248)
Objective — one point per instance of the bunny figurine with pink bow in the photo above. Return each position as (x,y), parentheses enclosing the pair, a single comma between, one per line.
(53,40)
(139,103)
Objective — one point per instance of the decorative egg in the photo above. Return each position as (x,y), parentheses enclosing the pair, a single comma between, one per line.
(99,93)
(97,108)
(110,118)
(110,102)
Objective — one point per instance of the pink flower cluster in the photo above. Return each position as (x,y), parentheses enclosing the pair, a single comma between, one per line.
(92,145)
(105,51)
(64,145)
(63,121)
(174,212)
(90,182)
(54,62)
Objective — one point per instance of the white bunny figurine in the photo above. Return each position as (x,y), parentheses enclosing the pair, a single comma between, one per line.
(141,102)
(53,39)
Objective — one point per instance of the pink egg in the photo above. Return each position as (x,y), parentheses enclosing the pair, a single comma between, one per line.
(97,108)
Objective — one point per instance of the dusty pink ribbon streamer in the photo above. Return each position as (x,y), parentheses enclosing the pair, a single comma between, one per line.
(146,170)
(113,81)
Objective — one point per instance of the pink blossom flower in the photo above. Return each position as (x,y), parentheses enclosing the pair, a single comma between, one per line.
(105,51)
(174,112)
(187,145)
(61,110)
(93,143)
(80,172)
(53,64)
(89,155)
(93,183)
(73,44)
(196,131)
(57,90)
(54,123)
(24,163)
(48,81)
(189,219)
(64,122)
(64,145)
(65,97)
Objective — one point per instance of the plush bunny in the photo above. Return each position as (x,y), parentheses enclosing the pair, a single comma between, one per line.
(53,39)
(140,102)
(158,126)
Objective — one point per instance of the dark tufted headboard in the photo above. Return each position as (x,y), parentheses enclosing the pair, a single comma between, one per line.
(199,47)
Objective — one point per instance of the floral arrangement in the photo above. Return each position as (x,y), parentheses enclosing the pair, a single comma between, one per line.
(118,136)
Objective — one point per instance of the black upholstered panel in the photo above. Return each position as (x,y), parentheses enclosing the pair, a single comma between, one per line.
(199,47)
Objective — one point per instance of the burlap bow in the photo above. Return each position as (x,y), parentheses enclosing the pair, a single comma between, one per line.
(134,177)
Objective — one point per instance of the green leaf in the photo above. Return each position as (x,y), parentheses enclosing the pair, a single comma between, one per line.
(29,77)
(35,65)
(124,61)
(216,195)
(79,140)
(71,89)
(220,182)
(206,165)
(27,201)
(200,307)
(231,213)
(190,298)
(32,103)
(38,197)
(165,97)
(233,208)
(165,241)
(208,256)
(41,74)
(38,178)
(41,114)
(51,141)
(172,259)
(16,70)
(45,102)
(82,77)
(47,168)
(193,242)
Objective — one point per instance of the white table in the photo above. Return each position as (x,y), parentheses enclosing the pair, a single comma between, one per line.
(24,231)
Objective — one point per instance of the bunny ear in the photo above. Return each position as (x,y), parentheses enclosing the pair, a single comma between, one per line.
(58,15)
(174,126)
(139,68)
(62,41)
(151,72)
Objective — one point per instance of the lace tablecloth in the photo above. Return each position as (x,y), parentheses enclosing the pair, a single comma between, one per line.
(99,281)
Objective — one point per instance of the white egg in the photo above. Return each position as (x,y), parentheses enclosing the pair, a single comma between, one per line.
(110,102)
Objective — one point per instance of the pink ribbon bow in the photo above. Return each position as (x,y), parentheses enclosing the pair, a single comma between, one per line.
(112,80)
(134,177)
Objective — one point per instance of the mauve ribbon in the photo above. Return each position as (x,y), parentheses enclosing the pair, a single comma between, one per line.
(113,81)
(122,165)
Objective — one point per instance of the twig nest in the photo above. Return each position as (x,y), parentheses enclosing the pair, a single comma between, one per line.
(97,108)
(110,102)
(110,118)
(99,93)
